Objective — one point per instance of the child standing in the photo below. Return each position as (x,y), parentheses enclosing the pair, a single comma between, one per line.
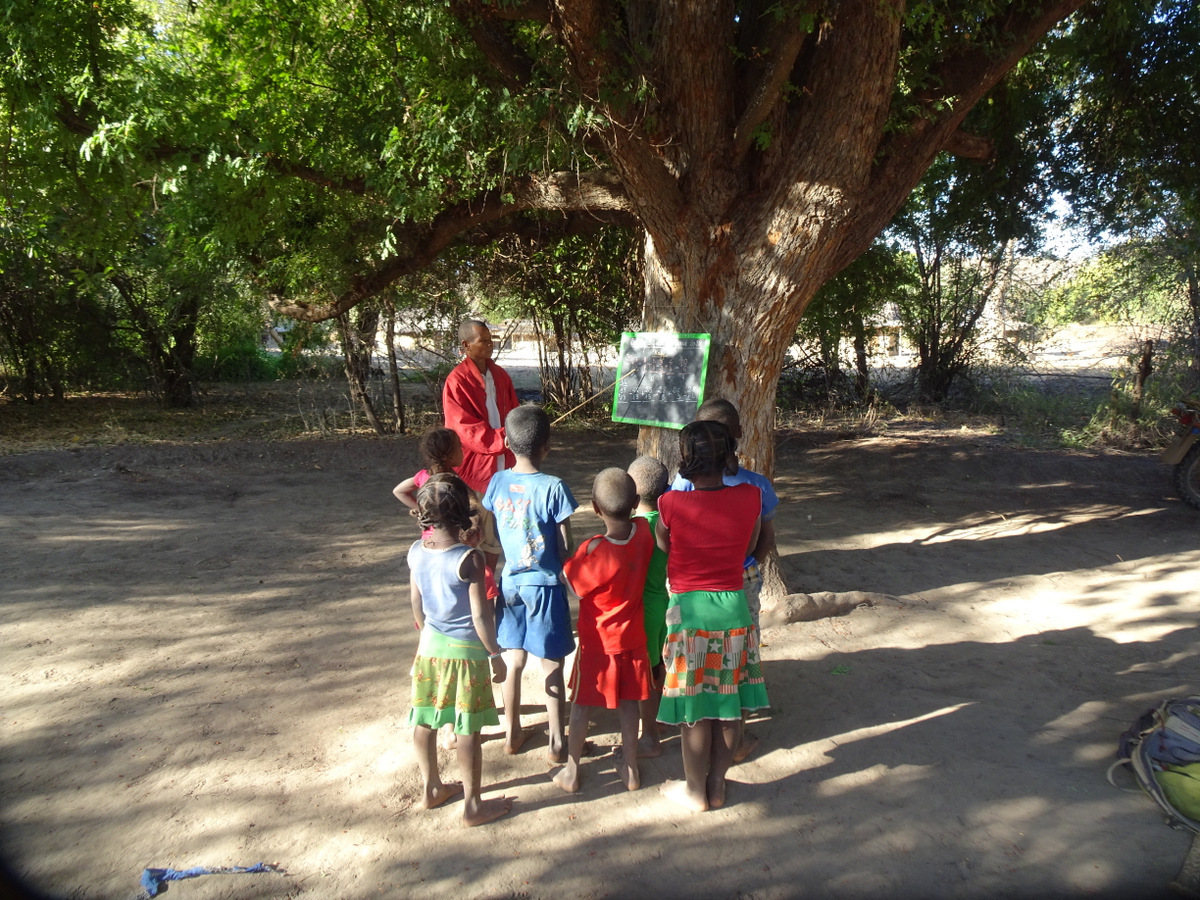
(713,670)
(717,410)
(442,452)
(532,509)
(612,669)
(451,677)
(650,478)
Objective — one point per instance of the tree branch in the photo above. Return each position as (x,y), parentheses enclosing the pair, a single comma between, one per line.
(767,77)
(352,185)
(585,30)
(480,20)
(965,77)
(970,146)
(834,127)
(596,195)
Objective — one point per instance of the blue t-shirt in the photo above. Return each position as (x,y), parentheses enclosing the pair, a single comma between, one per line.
(528,509)
(742,476)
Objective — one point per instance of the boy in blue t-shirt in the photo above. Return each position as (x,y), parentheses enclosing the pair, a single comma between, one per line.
(532,510)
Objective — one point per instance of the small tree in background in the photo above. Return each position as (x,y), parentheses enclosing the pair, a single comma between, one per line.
(579,292)
(847,308)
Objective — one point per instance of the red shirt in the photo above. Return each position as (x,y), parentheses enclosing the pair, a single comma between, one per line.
(609,583)
(710,531)
(464,400)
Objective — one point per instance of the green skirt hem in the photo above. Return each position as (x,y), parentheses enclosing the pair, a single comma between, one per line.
(464,723)
(690,709)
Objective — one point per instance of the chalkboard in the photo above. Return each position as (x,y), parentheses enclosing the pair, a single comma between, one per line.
(660,378)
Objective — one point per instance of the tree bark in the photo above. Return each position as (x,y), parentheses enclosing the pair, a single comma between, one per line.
(357,340)
(398,411)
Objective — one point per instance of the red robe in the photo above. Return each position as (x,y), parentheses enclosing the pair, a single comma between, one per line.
(464,399)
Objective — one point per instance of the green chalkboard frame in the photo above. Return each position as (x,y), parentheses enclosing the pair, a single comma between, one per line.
(650,367)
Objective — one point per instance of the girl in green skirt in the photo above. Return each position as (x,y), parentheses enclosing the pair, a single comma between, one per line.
(713,672)
(458,657)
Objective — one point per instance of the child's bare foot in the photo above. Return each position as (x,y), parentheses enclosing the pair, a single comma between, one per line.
(567,778)
(677,792)
(747,746)
(440,794)
(716,793)
(556,753)
(483,811)
(447,739)
(649,748)
(628,773)
(514,743)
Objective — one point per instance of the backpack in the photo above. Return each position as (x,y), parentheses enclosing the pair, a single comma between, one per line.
(1162,749)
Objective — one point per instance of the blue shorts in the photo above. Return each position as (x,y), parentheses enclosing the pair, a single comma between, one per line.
(535,618)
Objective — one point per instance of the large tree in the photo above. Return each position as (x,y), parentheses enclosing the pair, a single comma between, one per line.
(760,146)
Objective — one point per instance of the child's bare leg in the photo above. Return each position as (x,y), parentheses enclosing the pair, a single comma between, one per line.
(747,744)
(649,746)
(692,793)
(556,709)
(470,764)
(726,737)
(514,735)
(436,792)
(567,777)
(627,766)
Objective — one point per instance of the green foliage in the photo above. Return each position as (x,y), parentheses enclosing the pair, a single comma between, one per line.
(1132,143)
(846,308)
(579,292)
(1127,419)
(240,360)
(1128,284)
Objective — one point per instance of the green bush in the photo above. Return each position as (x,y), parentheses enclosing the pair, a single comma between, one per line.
(239,360)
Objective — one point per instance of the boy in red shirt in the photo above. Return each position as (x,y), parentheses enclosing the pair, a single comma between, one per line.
(612,668)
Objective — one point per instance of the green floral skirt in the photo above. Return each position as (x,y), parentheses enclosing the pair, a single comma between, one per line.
(452,685)
(713,670)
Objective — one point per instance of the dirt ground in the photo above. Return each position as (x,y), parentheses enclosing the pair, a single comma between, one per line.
(204,654)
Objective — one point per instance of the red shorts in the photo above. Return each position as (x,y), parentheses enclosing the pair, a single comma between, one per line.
(604,679)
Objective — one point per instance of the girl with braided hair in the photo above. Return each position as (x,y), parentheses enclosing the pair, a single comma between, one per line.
(442,452)
(458,657)
(711,656)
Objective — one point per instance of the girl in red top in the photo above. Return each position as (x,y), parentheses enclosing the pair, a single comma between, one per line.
(712,662)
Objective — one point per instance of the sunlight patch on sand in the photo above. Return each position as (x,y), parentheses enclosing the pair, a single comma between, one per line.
(894,777)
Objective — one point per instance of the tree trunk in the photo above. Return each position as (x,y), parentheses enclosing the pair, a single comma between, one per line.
(178,360)
(751,320)
(862,371)
(398,410)
(356,360)
(1145,367)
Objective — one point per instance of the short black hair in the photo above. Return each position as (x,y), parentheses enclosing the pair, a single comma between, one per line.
(705,448)
(719,410)
(649,476)
(615,493)
(444,501)
(527,429)
(466,328)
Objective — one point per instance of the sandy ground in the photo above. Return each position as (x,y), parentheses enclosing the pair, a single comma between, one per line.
(204,656)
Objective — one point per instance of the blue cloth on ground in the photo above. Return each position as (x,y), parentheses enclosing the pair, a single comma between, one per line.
(154,881)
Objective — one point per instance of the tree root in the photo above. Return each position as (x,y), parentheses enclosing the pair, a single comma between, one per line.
(821,605)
